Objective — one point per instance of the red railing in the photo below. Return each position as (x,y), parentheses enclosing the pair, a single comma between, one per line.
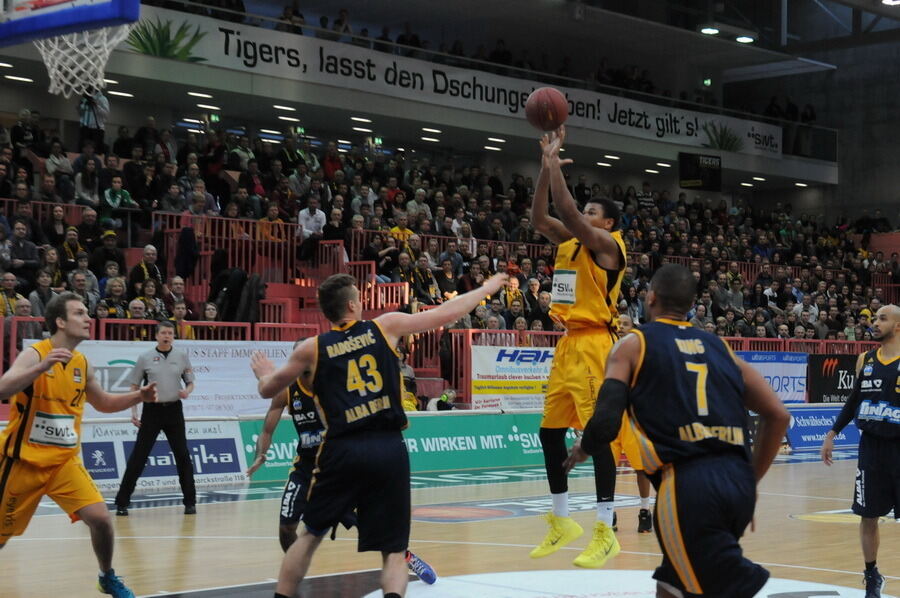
(812,347)
(330,258)
(42,211)
(359,239)
(363,272)
(20,329)
(280,310)
(267,249)
(266,331)
(385,297)
(145,330)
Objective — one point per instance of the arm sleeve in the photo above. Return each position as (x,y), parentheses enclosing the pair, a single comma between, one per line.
(604,425)
(848,412)
(136,375)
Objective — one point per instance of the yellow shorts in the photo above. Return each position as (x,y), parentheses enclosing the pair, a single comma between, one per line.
(579,363)
(626,442)
(23,485)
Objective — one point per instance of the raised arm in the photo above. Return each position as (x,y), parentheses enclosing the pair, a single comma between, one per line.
(271,380)
(273,416)
(27,367)
(396,325)
(108,402)
(544,223)
(774,418)
(598,240)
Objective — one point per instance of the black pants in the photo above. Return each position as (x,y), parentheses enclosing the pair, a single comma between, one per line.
(156,418)
(95,135)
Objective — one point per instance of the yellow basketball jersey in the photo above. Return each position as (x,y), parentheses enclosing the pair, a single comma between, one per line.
(45,418)
(584,294)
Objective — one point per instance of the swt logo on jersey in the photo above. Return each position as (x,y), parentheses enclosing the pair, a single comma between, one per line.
(879,412)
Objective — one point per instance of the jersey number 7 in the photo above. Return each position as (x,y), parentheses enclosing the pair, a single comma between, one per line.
(702,372)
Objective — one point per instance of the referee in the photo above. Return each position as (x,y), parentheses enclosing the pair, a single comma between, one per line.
(168,367)
(875,403)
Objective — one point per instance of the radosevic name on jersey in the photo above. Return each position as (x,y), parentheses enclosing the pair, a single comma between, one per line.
(879,412)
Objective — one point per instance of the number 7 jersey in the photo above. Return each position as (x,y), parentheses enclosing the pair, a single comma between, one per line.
(357,385)
(687,395)
(45,419)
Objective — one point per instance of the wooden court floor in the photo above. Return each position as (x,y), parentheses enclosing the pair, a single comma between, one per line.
(801,533)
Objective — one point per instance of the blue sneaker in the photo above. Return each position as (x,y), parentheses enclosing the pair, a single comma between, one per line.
(110,583)
(422,569)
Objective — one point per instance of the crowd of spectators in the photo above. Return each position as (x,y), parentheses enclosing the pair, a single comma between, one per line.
(393,210)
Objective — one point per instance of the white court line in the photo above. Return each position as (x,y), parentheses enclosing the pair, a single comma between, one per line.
(844,498)
(255,583)
(453,542)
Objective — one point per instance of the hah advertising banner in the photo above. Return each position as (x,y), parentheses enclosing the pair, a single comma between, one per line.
(303,59)
(224,384)
(785,372)
(809,424)
(830,378)
(509,377)
(213,445)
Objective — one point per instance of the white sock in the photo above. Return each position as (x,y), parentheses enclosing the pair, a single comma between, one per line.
(645,503)
(561,504)
(605,512)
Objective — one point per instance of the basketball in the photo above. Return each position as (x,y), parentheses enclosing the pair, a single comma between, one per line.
(546,108)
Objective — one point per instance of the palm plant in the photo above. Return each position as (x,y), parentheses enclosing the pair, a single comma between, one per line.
(722,137)
(157,39)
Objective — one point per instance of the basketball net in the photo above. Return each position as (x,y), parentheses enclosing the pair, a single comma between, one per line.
(77,61)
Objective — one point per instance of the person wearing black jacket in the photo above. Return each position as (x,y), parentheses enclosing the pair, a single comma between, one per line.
(107,252)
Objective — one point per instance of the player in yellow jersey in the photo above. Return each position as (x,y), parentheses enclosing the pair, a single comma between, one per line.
(39,449)
(590,265)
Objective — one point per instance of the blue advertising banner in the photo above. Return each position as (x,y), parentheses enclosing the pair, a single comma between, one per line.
(785,372)
(809,424)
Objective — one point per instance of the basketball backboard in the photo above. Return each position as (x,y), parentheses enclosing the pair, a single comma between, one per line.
(24,20)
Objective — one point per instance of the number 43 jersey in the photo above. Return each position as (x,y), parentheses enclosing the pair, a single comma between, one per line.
(687,394)
(357,384)
(45,419)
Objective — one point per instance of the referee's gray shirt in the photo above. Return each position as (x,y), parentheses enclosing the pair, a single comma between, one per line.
(168,370)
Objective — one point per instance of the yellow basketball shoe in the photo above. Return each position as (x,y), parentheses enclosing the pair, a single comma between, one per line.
(562,531)
(603,547)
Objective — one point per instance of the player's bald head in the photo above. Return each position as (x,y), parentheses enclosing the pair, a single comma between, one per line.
(674,289)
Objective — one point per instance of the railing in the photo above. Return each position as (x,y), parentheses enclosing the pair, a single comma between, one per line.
(42,211)
(145,330)
(385,297)
(278,310)
(20,329)
(359,239)
(812,346)
(363,272)
(267,249)
(330,258)
(266,331)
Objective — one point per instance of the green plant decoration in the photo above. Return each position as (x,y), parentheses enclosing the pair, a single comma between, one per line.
(156,39)
(722,137)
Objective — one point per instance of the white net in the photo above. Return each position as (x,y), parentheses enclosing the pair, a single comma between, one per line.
(77,61)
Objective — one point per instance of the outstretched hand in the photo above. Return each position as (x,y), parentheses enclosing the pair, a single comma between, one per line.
(261,365)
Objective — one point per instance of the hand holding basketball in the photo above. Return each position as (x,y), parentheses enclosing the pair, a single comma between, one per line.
(546,108)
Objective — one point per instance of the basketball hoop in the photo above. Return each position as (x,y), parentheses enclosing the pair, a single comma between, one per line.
(77,61)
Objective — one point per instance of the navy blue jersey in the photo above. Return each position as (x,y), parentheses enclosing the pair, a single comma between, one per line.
(687,396)
(878,388)
(357,383)
(306,420)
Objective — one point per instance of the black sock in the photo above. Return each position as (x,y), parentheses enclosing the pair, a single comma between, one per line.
(392,595)
(605,474)
(553,441)
(870,565)
(277,595)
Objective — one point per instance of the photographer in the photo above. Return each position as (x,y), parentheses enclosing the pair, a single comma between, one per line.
(93,110)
